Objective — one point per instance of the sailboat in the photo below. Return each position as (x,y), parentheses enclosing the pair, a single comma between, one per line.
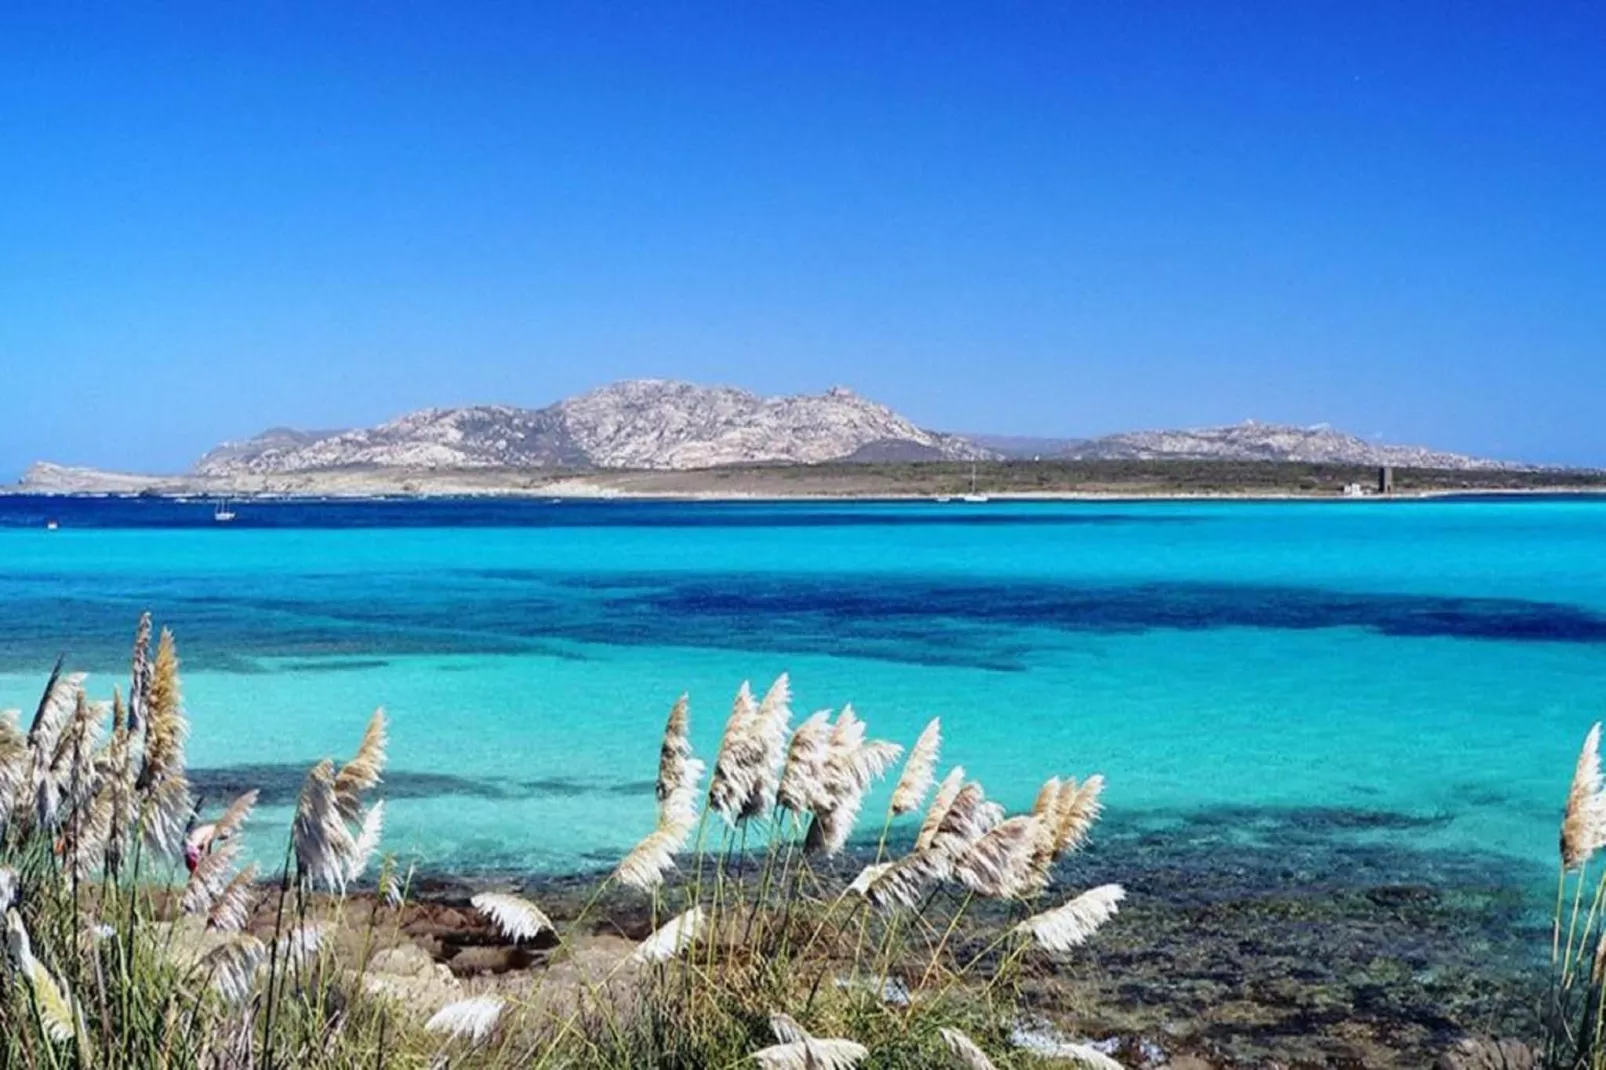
(223,514)
(973,496)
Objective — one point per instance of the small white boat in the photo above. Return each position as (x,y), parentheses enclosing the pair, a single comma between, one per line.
(223,514)
(51,525)
(973,496)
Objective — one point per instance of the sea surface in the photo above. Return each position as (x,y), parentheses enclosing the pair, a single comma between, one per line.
(1401,681)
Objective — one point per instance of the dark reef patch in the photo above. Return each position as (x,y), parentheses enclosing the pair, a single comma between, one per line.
(280,783)
(993,624)
(347,665)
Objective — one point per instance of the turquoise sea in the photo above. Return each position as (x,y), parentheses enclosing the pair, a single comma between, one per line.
(1410,678)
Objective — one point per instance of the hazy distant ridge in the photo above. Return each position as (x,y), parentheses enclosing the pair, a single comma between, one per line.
(1254,441)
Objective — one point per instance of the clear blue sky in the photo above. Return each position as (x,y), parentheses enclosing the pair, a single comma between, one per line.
(1052,218)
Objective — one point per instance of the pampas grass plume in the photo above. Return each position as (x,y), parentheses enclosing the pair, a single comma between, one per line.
(323,845)
(1583,824)
(1079,808)
(815,1053)
(362,773)
(472,1019)
(965,1050)
(1088,1055)
(999,865)
(910,792)
(947,791)
(516,917)
(232,966)
(678,771)
(232,907)
(1070,925)
(673,938)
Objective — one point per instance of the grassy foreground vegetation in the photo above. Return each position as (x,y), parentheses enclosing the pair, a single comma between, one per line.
(136,938)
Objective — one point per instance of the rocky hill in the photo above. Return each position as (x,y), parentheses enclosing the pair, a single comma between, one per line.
(642,424)
(1253,441)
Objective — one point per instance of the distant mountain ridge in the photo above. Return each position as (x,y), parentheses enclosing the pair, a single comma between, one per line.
(1255,441)
(645,424)
(664,425)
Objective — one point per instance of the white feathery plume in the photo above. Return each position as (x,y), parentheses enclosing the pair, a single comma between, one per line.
(323,844)
(803,783)
(1079,809)
(57,1011)
(855,761)
(166,811)
(1048,802)
(770,726)
(672,938)
(61,700)
(800,1050)
(234,816)
(232,966)
(71,770)
(740,753)
(678,771)
(910,793)
(367,842)
(1070,925)
(813,1053)
(516,917)
(868,876)
(232,908)
(10,883)
(362,773)
(907,880)
(299,945)
(162,787)
(1583,825)
(947,791)
(394,888)
(13,765)
(644,867)
(852,765)
(970,817)
(999,865)
(472,1019)
(1048,811)
(965,1050)
(1087,1055)
(56,707)
(208,880)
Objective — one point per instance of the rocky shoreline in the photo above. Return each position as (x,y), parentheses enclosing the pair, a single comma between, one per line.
(1297,938)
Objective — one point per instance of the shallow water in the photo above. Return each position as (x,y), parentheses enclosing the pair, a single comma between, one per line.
(1413,676)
